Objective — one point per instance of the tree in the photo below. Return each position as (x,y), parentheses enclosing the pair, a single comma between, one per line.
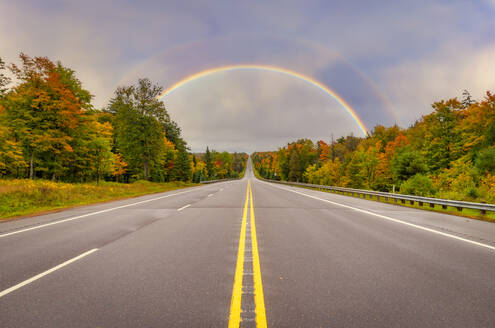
(209,163)
(44,115)
(11,159)
(477,127)
(467,100)
(442,134)
(419,185)
(4,80)
(183,163)
(407,163)
(485,160)
(119,167)
(138,122)
(99,150)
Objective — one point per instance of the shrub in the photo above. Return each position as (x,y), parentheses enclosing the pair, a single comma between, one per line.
(418,185)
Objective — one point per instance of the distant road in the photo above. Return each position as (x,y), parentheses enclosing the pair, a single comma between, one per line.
(247,253)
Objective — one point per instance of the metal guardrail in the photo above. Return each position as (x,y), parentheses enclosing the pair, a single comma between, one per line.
(482,207)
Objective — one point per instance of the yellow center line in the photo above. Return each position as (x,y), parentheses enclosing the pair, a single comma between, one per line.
(235,304)
(259,299)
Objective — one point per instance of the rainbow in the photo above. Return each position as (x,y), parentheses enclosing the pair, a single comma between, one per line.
(275,69)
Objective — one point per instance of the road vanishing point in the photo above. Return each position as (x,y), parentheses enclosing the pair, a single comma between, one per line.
(246,253)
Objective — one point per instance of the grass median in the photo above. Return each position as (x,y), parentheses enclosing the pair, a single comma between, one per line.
(29,197)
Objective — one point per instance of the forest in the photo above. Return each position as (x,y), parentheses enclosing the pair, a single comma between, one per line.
(449,153)
(50,130)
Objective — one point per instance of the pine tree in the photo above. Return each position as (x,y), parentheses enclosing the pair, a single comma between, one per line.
(209,163)
(183,163)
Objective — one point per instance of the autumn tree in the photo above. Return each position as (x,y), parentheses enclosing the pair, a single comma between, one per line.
(449,152)
(441,134)
(223,165)
(44,114)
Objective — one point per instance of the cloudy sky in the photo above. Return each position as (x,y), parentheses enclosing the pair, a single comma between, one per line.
(388,59)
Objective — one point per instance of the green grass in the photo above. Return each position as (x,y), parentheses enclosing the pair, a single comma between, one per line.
(29,197)
(466,212)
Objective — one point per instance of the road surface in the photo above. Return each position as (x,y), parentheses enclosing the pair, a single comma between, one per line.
(247,253)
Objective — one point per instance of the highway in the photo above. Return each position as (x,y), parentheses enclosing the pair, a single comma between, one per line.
(246,253)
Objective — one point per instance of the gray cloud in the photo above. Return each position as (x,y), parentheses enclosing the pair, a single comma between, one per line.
(409,52)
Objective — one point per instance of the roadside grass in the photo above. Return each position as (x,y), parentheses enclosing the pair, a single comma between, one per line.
(21,197)
(466,212)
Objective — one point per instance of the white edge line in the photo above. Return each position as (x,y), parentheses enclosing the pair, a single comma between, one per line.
(38,276)
(389,218)
(90,214)
(183,207)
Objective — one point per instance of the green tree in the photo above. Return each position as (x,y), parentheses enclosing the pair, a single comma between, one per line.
(407,163)
(209,163)
(442,136)
(183,163)
(419,185)
(138,123)
(485,160)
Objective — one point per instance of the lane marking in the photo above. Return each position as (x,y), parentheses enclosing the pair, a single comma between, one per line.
(93,213)
(38,276)
(390,219)
(259,298)
(235,303)
(210,195)
(184,207)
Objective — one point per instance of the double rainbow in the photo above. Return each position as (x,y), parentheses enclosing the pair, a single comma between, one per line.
(294,74)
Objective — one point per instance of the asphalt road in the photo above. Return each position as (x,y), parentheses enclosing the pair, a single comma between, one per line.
(308,259)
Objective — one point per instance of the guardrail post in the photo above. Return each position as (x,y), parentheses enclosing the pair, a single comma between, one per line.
(444,207)
(403,201)
(411,202)
(432,205)
(483,212)
(459,209)
(420,203)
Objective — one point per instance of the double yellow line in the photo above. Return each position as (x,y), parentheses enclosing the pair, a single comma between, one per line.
(237,292)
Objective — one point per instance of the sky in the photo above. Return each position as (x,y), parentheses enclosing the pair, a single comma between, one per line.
(389,60)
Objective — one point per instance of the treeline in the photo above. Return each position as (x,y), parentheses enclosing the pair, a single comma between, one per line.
(449,153)
(213,165)
(49,129)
